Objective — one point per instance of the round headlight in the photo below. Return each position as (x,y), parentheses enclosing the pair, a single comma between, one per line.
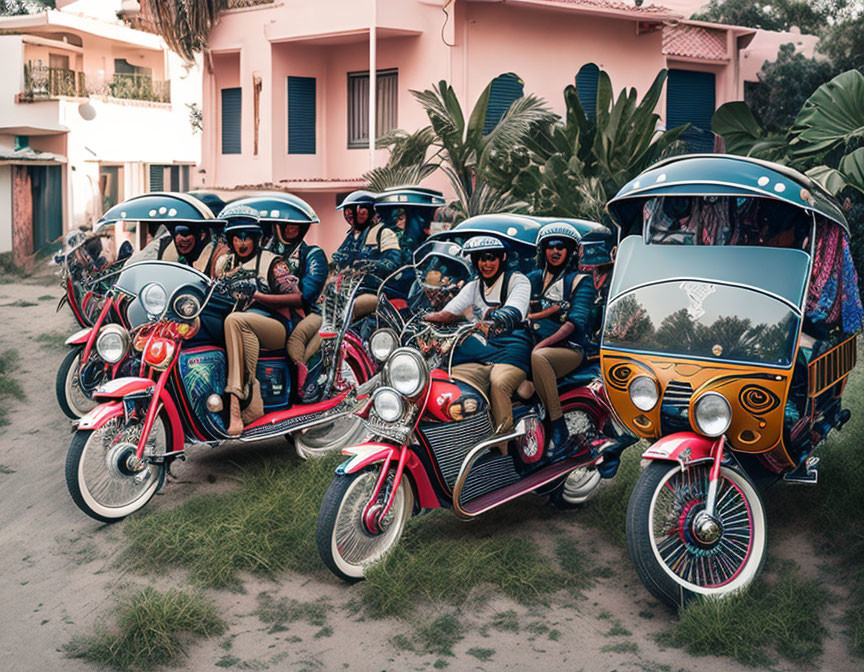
(187,305)
(643,393)
(406,372)
(712,414)
(153,298)
(382,343)
(112,343)
(388,404)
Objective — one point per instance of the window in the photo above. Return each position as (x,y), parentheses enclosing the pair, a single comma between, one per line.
(301,115)
(505,89)
(169,178)
(386,105)
(58,61)
(110,185)
(231,120)
(690,98)
(586,88)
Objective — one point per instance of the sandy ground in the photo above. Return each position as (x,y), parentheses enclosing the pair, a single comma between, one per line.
(59,567)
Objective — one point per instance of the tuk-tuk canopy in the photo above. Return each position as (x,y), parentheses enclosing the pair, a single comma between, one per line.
(274,206)
(517,232)
(158,207)
(722,175)
(772,270)
(583,226)
(410,195)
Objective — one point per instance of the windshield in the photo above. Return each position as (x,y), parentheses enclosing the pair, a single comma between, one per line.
(169,275)
(705,320)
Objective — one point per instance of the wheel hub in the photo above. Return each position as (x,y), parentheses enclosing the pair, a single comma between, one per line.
(123,462)
(374,519)
(706,529)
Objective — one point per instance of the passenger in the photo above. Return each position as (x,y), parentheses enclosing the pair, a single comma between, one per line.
(192,244)
(562,300)
(265,322)
(367,242)
(499,362)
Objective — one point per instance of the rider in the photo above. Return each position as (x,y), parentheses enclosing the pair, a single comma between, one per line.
(499,362)
(264,322)
(192,244)
(367,242)
(562,300)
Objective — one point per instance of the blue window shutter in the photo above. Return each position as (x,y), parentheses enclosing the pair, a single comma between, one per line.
(505,89)
(301,115)
(690,98)
(586,88)
(157,174)
(231,120)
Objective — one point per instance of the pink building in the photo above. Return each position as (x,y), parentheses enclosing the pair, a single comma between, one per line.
(286,84)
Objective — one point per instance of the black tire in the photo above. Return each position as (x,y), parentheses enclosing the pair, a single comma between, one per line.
(77,485)
(660,580)
(329,514)
(68,369)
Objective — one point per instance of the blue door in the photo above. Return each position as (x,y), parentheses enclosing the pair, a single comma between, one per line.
(690,98)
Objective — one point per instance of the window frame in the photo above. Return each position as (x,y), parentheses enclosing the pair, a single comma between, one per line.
(358,140)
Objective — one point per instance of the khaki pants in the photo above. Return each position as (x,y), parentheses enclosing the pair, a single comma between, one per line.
(547,366)
(305,341)
(499,381)
(245,333)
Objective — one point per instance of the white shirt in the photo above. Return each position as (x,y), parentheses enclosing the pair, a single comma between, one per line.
(473,300)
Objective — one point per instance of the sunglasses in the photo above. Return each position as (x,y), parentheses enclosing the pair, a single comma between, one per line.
(556,245)
(487,256)
(245,235)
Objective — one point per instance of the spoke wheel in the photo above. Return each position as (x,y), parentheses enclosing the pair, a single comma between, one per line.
(71,397)
(680,552)
(345,542)
(105,479)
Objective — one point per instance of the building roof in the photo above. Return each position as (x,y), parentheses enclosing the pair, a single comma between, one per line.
(67,22)
(611,8)
(691,41)
(28,155)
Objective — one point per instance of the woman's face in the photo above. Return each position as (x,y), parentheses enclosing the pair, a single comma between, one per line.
(556,254)
(348,214)
(243,244)
(184,241)
(362,216)
(290,232)
(488,265)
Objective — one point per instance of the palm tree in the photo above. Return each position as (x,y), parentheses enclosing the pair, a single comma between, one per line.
(185,25)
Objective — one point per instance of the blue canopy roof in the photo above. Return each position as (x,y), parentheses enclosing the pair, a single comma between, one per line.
(410,195)
(164,207)
(271,207)
(513,228)
(727,175)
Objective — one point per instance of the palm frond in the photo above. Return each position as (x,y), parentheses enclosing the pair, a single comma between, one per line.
(384,177)
(515,125)
(185,25)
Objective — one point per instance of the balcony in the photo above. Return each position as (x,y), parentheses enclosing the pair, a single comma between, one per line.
(42,82)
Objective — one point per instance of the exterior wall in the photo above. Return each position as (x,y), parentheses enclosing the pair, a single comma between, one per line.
(765,46)
(5,208)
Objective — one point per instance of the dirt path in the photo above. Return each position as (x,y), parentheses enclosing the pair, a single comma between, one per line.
(59,567)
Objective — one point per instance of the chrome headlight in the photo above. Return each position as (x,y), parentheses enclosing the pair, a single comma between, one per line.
(643,393)
(112,343)
(153,298)
(187,306)
(388,404)
(712,414)
(406,372)
(382,344)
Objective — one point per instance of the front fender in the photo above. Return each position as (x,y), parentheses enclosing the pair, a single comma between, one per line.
(79,337)
(120,387)
(683,447)
(366,454)
(100,415)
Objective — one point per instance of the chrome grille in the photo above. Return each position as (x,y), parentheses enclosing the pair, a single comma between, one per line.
(488,474)
(451,441)
(675,406)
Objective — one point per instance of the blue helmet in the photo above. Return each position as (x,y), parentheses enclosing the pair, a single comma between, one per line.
(562,231)
(482,244)
(359,197)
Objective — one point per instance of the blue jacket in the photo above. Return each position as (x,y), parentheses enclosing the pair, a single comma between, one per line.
(574,292)
(378,245)
(309,264)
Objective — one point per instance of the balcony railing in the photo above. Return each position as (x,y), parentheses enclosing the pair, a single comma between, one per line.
(41,82)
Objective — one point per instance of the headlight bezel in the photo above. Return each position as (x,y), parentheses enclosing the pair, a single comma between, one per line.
(144,297)
(644,406)
(386,395)
(112,331)
(380,358)
(422,372)
(186,296)
(698,426)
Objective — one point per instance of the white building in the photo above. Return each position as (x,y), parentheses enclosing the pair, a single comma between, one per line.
(91,113)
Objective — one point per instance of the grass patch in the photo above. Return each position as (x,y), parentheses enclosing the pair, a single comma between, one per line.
(6,470)
(9,386)
(437,637)
(279,613)
(150,630)
(481,654)
(621,647)
(9,268)
(46,297)
(53,340)
(506,621)
(265,526)
(781,615)
(617,630)
(607,510)
(20,303)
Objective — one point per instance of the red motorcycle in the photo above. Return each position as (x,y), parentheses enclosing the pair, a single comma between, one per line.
(122,449)
(434,447)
